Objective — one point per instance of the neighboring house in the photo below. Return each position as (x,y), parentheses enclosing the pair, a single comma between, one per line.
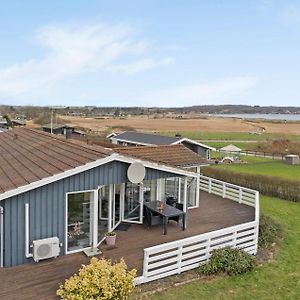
(66,130)
(3,129)
(60,197)
(3,123)
(57,128)
(134,138)
(18,122)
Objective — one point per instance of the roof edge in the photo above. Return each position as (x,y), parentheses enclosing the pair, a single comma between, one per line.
(90,165)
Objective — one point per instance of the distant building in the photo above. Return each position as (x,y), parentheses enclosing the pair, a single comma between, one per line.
(3,123)
(67,130)
(134,138)
(18,122)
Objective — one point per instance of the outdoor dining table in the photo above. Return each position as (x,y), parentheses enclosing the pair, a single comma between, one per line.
(166,212)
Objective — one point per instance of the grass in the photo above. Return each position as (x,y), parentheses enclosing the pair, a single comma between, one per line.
(235,136)
(264,166)
(279,279)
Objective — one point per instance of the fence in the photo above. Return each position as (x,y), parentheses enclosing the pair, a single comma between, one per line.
(274,156)
(186,254)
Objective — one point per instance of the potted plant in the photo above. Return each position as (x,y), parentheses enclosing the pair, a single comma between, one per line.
(110,238)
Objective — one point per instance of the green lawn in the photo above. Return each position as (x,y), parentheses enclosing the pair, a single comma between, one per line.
(239,136)
(264,166)
(279,279)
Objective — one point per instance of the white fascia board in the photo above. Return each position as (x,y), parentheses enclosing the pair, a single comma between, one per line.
(57,177)
(194,142)
(155,166)
(113,134)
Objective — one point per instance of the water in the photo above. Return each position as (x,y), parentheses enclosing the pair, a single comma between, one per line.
(287,117)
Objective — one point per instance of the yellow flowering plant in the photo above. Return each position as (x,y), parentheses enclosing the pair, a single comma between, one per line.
(99,280)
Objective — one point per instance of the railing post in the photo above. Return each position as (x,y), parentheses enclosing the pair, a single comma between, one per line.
(234,239)
(240,195)
(256,219)
(224,190)
(145,264)
(179,258)
(209,185)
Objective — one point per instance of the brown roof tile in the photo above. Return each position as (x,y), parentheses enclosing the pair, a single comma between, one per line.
(28,155)
(174,155)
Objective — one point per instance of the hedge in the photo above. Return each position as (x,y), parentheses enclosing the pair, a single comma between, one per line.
(271,186)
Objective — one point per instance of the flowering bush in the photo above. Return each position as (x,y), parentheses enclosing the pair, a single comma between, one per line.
(100,280)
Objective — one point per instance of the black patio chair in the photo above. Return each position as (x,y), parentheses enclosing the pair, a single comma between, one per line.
(177,218)
(152,218)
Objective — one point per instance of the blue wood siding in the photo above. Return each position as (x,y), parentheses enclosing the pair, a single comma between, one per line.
(47,207)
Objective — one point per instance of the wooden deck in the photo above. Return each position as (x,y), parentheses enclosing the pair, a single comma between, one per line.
(40,281)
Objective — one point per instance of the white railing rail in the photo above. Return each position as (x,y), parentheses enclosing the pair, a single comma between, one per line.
(228,190)
(189,253)
(186,254)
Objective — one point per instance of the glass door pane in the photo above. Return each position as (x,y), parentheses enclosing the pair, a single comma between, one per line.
(133,203)
(116,206)
(79,224)
(103,212)
(150,190)
(191,191)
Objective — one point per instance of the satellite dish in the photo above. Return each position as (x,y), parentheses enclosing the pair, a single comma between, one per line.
(136,172)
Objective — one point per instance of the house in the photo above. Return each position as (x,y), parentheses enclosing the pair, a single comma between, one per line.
(3,129)
(18,122)
(57,128)
(66,130)
(59,197)
(62,182)
(134,138)
(3,123)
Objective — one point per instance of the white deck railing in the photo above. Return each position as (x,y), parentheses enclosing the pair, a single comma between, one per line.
(189,253)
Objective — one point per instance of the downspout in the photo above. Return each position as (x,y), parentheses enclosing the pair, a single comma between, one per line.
(27,253)
(1,236)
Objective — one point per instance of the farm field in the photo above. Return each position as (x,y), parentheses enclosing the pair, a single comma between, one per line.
(198,125)
(278,279)
(264,166)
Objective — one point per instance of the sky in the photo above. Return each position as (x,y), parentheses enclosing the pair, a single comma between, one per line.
(149,52)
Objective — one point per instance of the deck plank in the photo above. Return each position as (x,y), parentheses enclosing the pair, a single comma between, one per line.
(41,280)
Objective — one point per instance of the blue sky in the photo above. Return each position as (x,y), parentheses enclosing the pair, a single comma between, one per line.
(149,53)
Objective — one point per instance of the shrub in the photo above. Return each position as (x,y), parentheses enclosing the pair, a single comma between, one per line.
(228,260)
(100,280)
(269,231)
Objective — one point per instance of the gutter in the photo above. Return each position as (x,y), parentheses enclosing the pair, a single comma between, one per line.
(1,236)
(27,253)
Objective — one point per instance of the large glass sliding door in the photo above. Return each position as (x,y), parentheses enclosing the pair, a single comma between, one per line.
(133,203)
(79,221)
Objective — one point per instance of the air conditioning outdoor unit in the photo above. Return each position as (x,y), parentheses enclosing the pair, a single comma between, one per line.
(45,248)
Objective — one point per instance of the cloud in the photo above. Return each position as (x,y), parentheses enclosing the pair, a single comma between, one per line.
(290,15)
(141,65)
(216,92)
(73,50)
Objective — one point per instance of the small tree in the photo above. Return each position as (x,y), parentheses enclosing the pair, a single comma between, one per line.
(100,280)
